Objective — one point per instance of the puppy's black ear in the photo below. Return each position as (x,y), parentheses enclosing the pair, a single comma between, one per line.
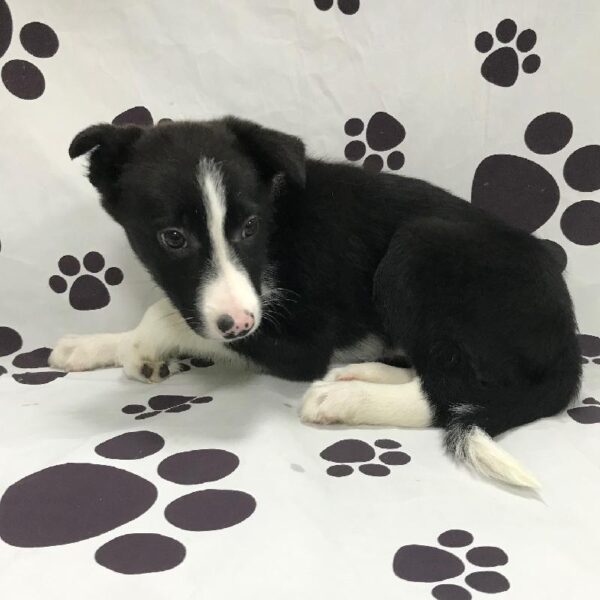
(111,147)
(273,151)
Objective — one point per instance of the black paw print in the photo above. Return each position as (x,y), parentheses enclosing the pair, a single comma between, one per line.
(429,564)
(164,403)
(20,77)
(11,342)
(383,133)
(588,414)
(525,195)
(87,292)
(590,348)
(138,115)
(348,7)
(357,451)
(501,67)
(75,501)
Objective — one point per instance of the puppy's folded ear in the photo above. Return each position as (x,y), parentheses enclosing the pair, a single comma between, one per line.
(274,152)
(111,147)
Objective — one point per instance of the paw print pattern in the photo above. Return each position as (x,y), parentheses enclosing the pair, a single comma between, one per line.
(430,564)
(71,502)
(357,451)
(11,342)
(383,133)
(590,348)
(138,115)
(87,292)
(501,67)
(164,404)
(347,7)
(20,77)
(525,195)
(588,414)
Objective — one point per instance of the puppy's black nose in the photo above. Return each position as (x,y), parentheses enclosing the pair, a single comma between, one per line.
(225,323)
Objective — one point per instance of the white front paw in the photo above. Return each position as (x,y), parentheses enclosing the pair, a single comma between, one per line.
(84,352)
(328,402)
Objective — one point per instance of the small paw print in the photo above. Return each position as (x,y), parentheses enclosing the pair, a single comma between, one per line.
(11,342)
(20,77)
(429,564)
(501,67)
(383,133)
(87,292)
(358,451)
(138,115)
(525,195)
(347,7)
(71,502)
(588,414)
(164,404)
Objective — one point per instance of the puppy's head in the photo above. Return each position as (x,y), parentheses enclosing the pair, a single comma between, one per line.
(195,200)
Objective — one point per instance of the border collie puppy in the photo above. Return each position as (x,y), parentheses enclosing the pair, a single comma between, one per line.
(292,265)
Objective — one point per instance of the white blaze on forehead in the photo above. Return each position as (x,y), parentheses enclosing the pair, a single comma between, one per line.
(213,193)
(227,289)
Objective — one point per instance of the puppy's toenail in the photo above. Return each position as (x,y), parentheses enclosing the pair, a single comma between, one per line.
(147,370)
(163,372)
(321,398)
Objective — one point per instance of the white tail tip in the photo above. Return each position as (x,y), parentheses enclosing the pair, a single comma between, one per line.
(480,451)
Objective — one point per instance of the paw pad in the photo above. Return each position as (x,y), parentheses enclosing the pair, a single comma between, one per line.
(11,342)
(358,451)
(430,564)
(20,77)
(383,133)
(347,7)
(71,502)
(501,67)
(525,195)
(87,292)
(164,404)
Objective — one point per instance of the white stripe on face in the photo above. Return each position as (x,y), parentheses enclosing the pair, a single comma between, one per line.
(228,290)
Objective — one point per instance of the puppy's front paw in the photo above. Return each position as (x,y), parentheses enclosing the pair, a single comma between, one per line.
(84,352)
(328,402)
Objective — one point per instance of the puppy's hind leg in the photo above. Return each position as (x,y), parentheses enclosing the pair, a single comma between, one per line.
(373,372)
(361,403)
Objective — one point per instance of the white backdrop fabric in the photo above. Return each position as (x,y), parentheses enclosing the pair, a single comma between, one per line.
(208,486)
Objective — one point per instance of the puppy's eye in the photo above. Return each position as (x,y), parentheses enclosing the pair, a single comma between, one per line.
(172,239)
(250,227)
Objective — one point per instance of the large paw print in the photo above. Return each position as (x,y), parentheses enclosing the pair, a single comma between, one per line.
(87,292)
(71,502)
(383,133)
(138,115)
(589,414)
(20,77)
(347,7)
(11,342)
(429,564)
(164,404)
(501,67)
(590,348)
(525,195)
(358,451)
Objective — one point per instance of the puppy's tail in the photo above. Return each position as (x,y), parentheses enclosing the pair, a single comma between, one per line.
(472,445)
